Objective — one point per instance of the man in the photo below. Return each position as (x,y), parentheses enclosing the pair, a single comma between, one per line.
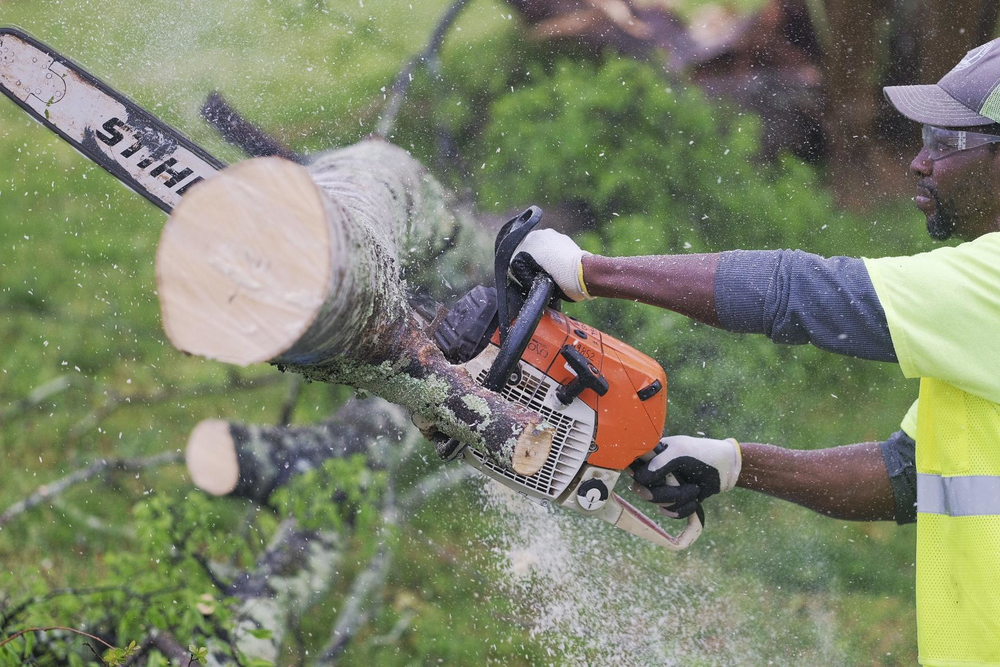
(937,314)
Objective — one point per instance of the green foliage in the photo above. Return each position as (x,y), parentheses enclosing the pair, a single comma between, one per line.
(334,494)
(199,654)
(659,167)
(114,657)
(167,582)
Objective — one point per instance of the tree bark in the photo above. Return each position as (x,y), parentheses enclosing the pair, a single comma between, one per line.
(267,261)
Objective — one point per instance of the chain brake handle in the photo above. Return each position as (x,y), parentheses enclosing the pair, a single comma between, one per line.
(508,239)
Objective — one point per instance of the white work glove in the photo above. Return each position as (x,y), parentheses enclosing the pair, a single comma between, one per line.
(560,257)
(703,466)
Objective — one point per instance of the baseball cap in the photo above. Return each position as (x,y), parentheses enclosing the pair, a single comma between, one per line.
(967,96)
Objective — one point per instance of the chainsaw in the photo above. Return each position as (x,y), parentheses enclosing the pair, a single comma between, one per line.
(606,400)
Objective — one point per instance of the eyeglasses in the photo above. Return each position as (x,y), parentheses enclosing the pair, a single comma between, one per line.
(940,142)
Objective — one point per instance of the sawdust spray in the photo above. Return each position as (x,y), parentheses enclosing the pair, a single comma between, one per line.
(595,595)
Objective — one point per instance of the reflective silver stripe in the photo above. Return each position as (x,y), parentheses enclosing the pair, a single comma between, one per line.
(972,495)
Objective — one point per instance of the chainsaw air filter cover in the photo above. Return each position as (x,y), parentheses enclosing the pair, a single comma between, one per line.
(575,425)
(464,332)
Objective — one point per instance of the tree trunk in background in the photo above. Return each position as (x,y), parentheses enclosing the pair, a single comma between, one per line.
(850,63)
(267,261)
(944,30)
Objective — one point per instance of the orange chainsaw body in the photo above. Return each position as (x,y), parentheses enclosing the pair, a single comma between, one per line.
(627,425)
(606,401)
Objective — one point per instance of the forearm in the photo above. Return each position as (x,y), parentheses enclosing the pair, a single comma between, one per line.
(682,283)
(849,482)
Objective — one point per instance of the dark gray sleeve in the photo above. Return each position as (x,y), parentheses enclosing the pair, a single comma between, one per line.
(898,454)
(798,297)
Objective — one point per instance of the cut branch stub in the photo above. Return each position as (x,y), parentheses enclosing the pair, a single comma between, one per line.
(269,261)
(251,461)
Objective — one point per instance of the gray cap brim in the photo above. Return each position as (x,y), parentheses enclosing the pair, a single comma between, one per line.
(929,104)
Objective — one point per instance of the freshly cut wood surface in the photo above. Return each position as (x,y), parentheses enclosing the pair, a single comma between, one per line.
(211,457)
(531,451)
(244,263)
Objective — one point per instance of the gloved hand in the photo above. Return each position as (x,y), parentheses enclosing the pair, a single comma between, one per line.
(560,257)
(703,466)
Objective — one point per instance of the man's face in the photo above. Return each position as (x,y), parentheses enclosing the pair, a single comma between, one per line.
(957,193)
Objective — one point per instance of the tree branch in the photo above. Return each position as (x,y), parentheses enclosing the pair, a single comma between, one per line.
(90,521)
(405,77)
(36,397)
(356,610)
(297,567)
(48,491)
(252,461)
(166,644)
(354,615)
(240,132)
(21,633)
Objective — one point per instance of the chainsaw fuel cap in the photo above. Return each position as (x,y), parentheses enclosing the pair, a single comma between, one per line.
(592,494)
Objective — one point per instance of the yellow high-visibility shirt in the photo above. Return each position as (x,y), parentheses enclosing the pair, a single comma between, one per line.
(943,310)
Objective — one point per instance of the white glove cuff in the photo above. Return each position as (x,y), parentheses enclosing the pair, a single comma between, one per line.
(568,275)
(560,257)
(733,470)
(579,278)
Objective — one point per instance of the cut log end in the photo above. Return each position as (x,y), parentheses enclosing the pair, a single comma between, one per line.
(531,450)
(211,457)
(243,264)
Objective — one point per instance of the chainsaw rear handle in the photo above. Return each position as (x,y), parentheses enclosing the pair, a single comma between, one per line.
(633,521)
(593,496)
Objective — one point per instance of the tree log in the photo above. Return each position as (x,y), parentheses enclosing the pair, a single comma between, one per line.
(308,269)
(252,461)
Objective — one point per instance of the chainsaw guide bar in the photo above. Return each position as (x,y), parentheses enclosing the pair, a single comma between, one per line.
(144,153)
